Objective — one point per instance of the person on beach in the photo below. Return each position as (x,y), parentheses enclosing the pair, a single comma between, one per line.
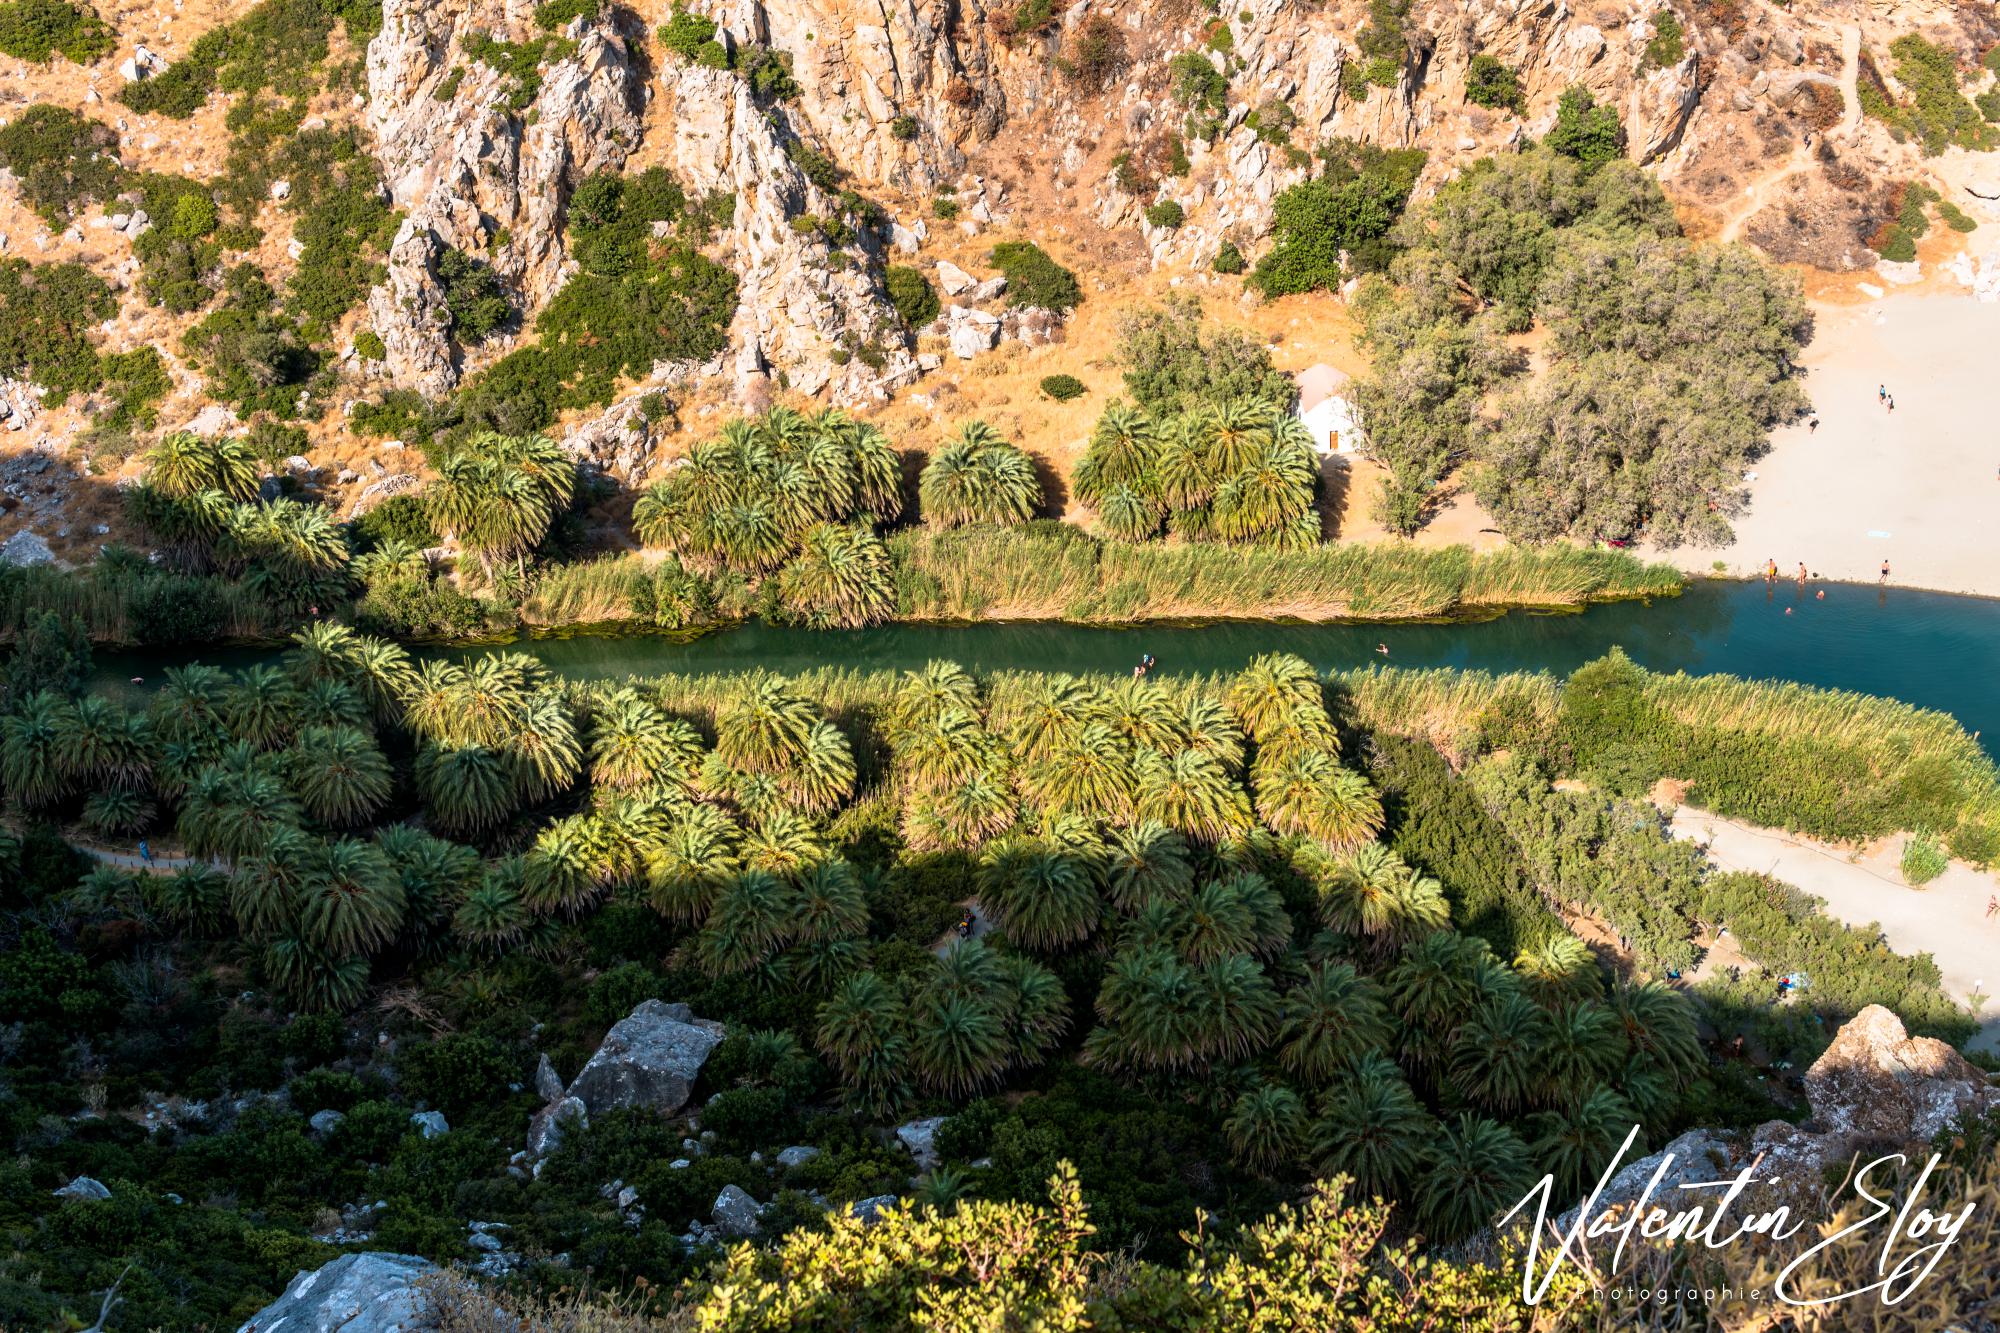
(1802,571)
(1892,404)
(1992,903)
(1881,393)
(1885,572)
(1770,570)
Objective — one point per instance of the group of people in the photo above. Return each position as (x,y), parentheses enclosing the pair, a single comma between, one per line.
(1145,664)
(1884,397)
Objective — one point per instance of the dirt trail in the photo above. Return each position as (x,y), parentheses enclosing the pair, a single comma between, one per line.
(159,865)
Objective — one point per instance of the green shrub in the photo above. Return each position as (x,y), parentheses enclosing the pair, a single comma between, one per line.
(903,128)
(1351,207)
(136,379)
(1062,388)
(368,345)
(61,161)
(402,518)
(555,14)
(1229,259)
(945,207)
(1584,130)
(1954,217)
(1034,280)
(1668,42)
(1924,858)
(1490,83)
(910,292)
(519,63)
(44,311)
(1167,213)
(38,30)
(1197,84)
(685,34)
(1174,363)
(473,297)
(456,1072)
(1897,245)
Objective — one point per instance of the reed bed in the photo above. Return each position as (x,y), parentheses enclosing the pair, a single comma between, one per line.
(1049,571)
(1444,706)
(592,592)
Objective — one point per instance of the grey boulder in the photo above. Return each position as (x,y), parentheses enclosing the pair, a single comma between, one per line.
(796,1156)
(920,1137)
(650,1058)
(83,1187)
(430,1124)
(356,1293)
(735,1212)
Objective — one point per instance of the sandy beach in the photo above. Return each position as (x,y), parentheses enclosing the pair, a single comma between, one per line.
(1918,487)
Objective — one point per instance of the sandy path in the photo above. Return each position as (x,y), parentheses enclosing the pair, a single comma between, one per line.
(1919,487)
(1945,919)
(159,865)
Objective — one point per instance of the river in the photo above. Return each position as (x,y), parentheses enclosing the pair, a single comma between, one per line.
(1932,649)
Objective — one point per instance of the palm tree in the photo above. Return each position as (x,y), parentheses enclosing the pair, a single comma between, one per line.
(429,709)
(324,650)
(30,749)
(1267,1127)
(1056,710)
(193,898)
(1237,432)
(1207,726)
(352,899)
(831,904)
(979,478)
(117,812)
(1560,971)
(261,707)
(1147,862)
(1143,714)
(764,729)
(924,698)
(98,745)
(1120,453)
(1475,1169)
(1042,896)
(1183,469)
(938,755)
(183,464)
(493,913)
(783,843)
(1272,691)
(314,978)
(436,875)
(956,1044)
(1496,1055)
(753,915)
(1576,1141)
(978,809)
(1129,514)
(1356,889)
(1236,1009)
(1659,1028)
(1332,1014)
(1374,1131)
(693,861)
(498,494)
(1034,1008)
(861,1032)
(469,788)
(1430,986)
(339,775)
(1584,1045)
(545,746)
(841,578)
(823,775)
(1214,922)
(188,707)
(331,703)
(234,814)
(1311,795)
(1190,791)
(1087,774)
(266,886)
(632,742)
(485,702)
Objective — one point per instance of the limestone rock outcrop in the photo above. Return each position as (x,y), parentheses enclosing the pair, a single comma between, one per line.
(471,170)
(356,1293)
(649,1059)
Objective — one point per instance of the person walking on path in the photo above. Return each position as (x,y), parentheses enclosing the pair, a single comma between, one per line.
(1992,903)
(145,852)
(1881,393)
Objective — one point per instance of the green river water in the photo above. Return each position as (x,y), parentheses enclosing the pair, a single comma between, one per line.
(1932,649)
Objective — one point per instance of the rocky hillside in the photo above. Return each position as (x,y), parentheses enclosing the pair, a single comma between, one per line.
(403,184)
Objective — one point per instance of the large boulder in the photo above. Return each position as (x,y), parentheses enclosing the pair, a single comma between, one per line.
(1878,1084)
(735,1212)
(920,1138)
(356,1293)
(650,1058)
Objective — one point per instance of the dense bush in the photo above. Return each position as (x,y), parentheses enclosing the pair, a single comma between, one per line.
(38,30)
(1228,259)
(911,293)
(61,161)
(1350,206)
(44,312)
(1937,114)
(1062,388)
(1174,363)
(1584,130)
(1034,280)
(473,297)
(1489,83)
(1167,213)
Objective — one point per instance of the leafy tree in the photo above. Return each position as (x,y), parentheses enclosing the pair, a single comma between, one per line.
(38,30)
(473,297)
(51,652)
(1349,208)
(1175,364)
(911,293)
(1584,130)
(1034,280)
(1490,83)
